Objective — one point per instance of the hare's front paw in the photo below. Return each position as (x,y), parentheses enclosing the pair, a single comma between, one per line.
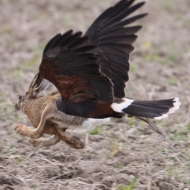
(26,131)
(18,128)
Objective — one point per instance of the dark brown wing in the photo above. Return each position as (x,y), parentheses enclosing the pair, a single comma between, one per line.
(91,71)
(113,40)
(68,64)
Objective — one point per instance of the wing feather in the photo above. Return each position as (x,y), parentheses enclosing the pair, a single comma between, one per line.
(113,37)
(93,67)
(69,65)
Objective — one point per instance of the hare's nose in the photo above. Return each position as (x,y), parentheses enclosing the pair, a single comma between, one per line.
(16,107)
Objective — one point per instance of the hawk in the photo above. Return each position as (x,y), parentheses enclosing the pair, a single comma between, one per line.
(90,71)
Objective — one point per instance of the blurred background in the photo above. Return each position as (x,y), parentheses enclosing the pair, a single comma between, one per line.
(118,152)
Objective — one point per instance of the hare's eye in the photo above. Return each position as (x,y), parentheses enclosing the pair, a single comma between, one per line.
(19,97)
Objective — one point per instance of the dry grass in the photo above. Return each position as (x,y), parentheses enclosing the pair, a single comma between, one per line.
(122,150)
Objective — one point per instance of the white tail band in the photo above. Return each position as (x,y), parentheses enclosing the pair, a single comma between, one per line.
(118,107)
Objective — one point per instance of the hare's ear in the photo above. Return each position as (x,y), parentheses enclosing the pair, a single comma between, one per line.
(31,93)
(42,86)
(39,83)
(36,81)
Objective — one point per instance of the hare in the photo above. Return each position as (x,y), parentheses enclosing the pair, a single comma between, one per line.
(45,117)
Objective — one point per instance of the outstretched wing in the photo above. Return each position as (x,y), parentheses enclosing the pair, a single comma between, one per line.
(68,64)
(90,71)
(114,41)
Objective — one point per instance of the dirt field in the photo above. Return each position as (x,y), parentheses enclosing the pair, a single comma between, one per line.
(118,152)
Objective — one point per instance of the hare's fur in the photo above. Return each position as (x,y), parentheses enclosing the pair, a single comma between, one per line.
(46,118)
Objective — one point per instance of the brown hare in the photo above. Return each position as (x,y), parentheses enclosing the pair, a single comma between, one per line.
(90,72)
(44,115)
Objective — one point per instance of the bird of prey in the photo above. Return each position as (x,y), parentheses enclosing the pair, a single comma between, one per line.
(90,71)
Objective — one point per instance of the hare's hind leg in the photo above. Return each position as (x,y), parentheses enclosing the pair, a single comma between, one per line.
(34,133)
(71,141)
(45,141)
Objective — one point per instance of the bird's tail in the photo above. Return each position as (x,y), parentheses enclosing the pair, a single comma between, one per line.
(157,109)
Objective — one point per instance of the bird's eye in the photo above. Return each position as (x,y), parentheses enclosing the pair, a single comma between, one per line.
(19,97)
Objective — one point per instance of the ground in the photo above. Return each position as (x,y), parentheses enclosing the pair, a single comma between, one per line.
(125,152)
